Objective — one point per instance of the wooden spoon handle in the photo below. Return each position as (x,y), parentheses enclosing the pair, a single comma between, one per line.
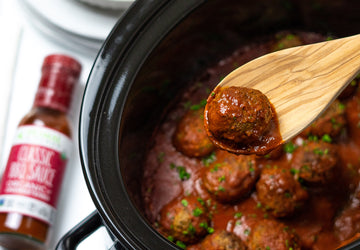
(307,79)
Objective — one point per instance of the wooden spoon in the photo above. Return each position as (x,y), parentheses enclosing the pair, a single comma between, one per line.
(300,82)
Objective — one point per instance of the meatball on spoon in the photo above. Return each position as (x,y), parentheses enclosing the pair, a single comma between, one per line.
(271,99)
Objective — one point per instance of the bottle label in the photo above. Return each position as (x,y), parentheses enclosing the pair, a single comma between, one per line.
(32,179)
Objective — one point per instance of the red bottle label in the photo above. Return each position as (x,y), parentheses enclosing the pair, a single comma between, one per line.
(32,179)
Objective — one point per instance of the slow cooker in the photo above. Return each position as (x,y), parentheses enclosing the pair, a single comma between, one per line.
(148,58)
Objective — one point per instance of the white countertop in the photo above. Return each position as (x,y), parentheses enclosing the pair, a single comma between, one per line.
(74,202)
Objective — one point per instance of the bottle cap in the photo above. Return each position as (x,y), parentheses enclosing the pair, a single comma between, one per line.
(59,75)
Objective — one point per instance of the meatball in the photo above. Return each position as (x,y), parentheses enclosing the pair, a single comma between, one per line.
(185,219)
(190,137)
(331,122)
(271,234)
(274,154)
(222,240)
(348,223)
(315,162)
(350,89)
(280,192)
(352,112)
(230,177)
(238,115)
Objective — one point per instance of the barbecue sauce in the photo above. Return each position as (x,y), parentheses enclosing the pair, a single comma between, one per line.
(41,148)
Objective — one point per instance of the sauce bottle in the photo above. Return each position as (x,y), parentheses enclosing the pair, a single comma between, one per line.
(32,178)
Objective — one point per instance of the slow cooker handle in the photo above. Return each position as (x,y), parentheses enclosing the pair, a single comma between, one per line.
(82,230)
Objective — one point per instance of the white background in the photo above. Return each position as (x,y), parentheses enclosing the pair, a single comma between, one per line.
(20,72)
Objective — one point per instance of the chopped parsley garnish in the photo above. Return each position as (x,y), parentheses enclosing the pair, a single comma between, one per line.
(267,156)
(161,156)
(190,230)
(183,174)
(197,212)
(294,171)
(290,37)
(209,159)
(305,167)
(251,166)
(181,244)
(326,138)
(170,238)
(281,46)
(313,138)
(318,151)
(222,178)
(341,106)
(203,225)
(288,195)
(238,215)
(215,168)
(198,106)
(185,203)
(289,147)
(201,201)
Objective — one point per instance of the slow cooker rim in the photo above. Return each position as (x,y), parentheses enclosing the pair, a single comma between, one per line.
(116,49)
(97,79)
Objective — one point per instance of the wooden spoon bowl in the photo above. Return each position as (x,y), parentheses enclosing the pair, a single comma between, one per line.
(300,82)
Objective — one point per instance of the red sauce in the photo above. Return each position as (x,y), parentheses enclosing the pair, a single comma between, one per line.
(330,214)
